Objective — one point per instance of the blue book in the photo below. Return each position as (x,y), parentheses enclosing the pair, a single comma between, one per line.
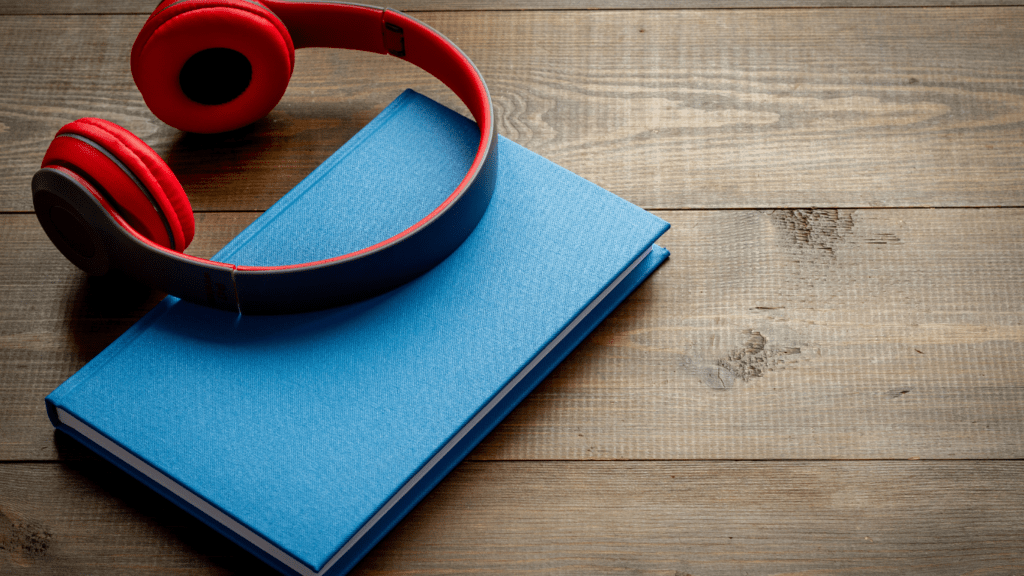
(305,438)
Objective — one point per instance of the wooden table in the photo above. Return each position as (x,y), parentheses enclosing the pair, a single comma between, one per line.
(827,377)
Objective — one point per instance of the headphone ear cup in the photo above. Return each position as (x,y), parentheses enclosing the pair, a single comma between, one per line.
(132,177)
(212,65)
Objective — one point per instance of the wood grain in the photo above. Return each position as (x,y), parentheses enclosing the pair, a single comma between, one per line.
(670,518)
(668,109)
(767,334)
(801,334)
(17,7)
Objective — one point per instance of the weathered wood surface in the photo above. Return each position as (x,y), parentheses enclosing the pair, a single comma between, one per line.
(586,518)
(827,376)
(768,334)
(146,6)
(668,109)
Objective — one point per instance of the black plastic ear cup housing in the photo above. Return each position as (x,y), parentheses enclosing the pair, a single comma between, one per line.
(88,235)
(59,206)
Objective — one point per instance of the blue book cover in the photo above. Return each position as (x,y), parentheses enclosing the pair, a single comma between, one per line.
(306,437)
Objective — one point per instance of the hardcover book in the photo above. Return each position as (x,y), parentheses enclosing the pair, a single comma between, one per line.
(306,437)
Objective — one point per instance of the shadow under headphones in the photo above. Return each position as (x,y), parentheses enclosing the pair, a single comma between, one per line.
(108,201)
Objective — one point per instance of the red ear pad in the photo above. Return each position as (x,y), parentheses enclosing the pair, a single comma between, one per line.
(212,65)
(133,177)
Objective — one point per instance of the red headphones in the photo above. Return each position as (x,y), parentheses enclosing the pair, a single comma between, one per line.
(107,201)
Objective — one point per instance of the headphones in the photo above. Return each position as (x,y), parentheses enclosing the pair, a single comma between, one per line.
(108,201)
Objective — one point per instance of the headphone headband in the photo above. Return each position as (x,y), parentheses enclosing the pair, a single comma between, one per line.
(175,33)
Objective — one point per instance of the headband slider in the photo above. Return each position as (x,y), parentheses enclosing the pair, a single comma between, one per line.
(394,39)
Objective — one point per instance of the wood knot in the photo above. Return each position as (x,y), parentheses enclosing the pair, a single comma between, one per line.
(752,360)
(817,230)
(23,541)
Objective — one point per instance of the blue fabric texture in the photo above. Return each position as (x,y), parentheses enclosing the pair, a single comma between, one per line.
(302,426)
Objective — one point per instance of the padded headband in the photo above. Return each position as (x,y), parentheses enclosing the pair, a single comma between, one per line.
(87,224)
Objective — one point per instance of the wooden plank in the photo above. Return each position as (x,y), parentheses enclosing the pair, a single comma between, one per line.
(785,334)
(570,518)
(19,7)
(801,334)
(669,109)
